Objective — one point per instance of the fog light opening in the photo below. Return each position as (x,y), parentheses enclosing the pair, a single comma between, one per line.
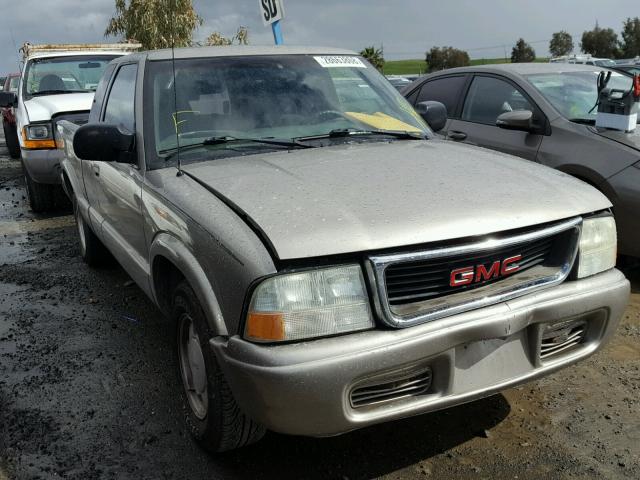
(558,338)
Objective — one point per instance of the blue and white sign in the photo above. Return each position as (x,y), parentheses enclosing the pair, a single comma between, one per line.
(271,11)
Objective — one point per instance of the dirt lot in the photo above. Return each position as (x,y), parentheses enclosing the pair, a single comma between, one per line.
(88,390)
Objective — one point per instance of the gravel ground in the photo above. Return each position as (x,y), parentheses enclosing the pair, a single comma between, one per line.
(88,390)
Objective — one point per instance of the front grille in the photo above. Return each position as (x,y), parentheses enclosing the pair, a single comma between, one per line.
(558,339)
(406,386)
(415,287)
(416,281)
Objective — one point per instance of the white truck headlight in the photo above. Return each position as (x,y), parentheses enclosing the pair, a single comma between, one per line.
(38,132)
(38,136)
(598,246)
(313,303)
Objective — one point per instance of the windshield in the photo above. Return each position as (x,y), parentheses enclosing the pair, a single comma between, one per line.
(280,97)
(78,73)
(574,94)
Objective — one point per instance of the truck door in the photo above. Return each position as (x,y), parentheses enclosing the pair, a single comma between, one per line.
(116,187)
(487,98)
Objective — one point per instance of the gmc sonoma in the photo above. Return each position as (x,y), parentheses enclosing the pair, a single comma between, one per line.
(328,263)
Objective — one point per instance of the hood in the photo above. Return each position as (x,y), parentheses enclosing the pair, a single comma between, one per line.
(343,199)
(41,109)
(631,139)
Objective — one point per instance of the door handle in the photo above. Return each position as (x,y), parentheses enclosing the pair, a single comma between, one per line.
(96,170)
(457,136)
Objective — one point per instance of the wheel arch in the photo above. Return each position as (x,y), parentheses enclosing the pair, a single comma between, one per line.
(171,262)
(591,177)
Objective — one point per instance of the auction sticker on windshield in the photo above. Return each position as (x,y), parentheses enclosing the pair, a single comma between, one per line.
(333,61)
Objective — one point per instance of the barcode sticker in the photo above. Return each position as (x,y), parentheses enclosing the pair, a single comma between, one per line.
(343,61)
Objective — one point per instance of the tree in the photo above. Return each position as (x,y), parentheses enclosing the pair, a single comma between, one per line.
(600,42)
(441,58)
(155,23)
(217,39)
(375,56)
(522,52)
(561,44)
(630,45)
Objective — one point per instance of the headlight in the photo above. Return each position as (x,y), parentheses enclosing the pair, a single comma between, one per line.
(38,132)
(38,136)
(598,246)
(309,304)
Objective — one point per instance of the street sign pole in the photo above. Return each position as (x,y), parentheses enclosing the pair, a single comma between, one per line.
(277,32)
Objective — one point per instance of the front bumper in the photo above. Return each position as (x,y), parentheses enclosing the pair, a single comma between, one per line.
(305,388)
(43,166)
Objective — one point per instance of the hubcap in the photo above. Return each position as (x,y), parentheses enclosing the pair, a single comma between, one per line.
(192,367)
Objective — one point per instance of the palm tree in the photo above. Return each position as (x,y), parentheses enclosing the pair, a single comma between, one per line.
(375,56)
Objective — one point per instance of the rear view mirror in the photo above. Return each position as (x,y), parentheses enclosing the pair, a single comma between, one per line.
(105,143)
(518,120)
(8,99)
(434,113)
(89,65)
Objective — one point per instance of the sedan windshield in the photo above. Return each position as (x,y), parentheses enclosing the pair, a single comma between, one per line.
(574,94)
(294,98)
(69,74)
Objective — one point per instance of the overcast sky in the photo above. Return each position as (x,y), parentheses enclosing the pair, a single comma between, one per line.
(406,28)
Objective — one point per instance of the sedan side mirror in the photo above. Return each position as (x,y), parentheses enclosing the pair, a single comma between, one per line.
(8,99)
(434,113)
(104,143)
(517,120)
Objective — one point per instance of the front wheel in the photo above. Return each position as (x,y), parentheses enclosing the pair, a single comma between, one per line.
(11,139)
(211,413)
(92,251)
(40,194)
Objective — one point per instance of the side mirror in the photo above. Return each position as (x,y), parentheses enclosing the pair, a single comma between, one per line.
(434,113)
(8,99)
(518,120)
(104,143)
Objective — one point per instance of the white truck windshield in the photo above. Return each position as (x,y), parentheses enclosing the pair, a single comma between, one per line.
(67,74)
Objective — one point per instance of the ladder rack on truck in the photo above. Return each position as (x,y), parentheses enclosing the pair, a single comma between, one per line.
(28,50)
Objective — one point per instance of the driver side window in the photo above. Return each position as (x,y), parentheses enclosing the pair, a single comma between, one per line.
(490,97)
(120,104)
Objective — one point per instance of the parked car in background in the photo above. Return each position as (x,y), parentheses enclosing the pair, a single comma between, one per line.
(584,60)
(329,264)
(57,82)
(544,112)
(11,84)
(398,82)
(630,68)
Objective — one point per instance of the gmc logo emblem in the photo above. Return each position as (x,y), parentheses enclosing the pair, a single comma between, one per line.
(480,273)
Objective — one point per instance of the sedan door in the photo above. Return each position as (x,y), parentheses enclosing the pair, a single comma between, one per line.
(487,98)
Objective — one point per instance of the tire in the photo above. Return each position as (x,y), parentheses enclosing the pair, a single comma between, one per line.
(211,413)
(92,250)
(40,194)
(11,139)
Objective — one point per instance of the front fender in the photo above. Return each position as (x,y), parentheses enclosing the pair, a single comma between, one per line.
(176,252)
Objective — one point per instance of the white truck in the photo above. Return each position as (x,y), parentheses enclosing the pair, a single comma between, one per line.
(58,82)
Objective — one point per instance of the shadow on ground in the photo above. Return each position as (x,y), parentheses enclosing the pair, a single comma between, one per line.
(370,452)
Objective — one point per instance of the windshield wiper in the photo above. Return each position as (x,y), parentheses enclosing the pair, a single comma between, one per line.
(583,121)
(268,141)
(351,132)
(55,92)
(212,141)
